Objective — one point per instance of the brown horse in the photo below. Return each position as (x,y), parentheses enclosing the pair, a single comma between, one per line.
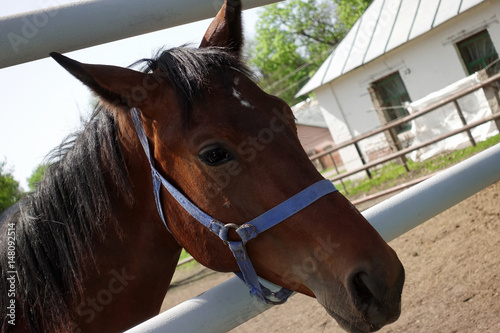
(89,252)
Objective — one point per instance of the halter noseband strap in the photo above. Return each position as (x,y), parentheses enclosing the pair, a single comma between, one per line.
(246,231)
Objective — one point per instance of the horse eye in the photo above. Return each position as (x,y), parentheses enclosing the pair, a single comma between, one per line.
(215,155)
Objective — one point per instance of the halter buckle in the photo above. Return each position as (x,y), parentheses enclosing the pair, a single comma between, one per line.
(246,232)
(224,231)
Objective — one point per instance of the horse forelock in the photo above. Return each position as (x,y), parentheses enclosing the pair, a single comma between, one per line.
(190,70)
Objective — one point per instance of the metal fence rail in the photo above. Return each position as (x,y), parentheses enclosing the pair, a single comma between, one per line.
(32,36)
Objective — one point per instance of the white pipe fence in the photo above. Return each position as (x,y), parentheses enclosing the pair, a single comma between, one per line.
(31,36)
(229,304)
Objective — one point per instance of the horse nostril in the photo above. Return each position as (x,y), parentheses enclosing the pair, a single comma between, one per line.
(377,302)
(363,297)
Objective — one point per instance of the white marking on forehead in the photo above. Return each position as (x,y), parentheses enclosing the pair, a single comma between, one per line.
(243,102)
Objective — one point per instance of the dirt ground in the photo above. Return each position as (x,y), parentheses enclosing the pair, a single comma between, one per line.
(452,278)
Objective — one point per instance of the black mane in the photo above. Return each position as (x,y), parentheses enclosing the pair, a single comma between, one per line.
(56,225)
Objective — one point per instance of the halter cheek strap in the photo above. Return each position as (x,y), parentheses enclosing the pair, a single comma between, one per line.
(246,231)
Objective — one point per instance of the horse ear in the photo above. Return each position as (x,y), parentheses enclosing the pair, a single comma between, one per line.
(226,29)
(116,85)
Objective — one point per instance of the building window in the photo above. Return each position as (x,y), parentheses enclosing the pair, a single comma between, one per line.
(478,52)
(392,96)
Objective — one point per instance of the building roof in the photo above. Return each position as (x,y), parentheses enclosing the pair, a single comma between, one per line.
(385,25)
(308,113)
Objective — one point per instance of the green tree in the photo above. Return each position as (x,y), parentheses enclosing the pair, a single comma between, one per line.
(349,11)
(294,37)
(10,192)
(36,177)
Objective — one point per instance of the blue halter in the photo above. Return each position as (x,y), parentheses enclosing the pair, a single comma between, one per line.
(246,231)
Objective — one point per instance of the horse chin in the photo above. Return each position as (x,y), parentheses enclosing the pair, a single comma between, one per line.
(354,326)
(351,322)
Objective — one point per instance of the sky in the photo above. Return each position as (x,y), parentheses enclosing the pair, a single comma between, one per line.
(41,104)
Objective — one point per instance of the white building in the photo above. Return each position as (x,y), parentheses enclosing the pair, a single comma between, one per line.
(400,51)
(314,134)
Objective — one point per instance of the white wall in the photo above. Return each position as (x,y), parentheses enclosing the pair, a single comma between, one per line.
(426,64)
(336,121)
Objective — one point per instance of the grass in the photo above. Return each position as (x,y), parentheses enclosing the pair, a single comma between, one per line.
(184,255)
(393,173)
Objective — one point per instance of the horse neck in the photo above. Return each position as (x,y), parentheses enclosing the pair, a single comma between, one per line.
(137,264)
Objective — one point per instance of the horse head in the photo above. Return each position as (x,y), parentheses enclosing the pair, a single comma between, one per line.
(233,150)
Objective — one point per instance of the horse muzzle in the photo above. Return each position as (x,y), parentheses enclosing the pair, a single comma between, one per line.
(371,302)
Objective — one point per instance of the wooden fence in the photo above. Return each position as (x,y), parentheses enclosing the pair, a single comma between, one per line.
(401,153)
